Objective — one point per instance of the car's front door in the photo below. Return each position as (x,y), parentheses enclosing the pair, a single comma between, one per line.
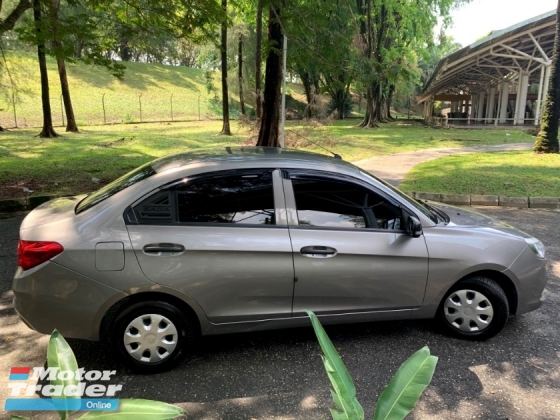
(223,240)
(350,253)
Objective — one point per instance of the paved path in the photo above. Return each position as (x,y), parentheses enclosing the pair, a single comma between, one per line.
(393,168)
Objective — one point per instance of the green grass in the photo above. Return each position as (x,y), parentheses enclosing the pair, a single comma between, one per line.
(523,174)
(354,143)
(66,165)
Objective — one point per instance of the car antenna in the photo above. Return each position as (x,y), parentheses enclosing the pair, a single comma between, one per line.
(335,155)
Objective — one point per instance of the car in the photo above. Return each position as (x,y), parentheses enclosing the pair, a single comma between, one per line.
(248,238)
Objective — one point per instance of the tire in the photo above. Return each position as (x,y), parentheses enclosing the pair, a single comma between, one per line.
(151,337)
(475,308)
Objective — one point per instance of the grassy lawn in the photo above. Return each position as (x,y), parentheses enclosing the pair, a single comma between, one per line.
(510,174)
(66,165)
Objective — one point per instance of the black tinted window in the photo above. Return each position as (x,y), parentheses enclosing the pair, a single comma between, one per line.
(114,187)
(244,199)
(327,203)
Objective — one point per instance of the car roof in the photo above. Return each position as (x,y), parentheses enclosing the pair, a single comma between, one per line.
(254,154)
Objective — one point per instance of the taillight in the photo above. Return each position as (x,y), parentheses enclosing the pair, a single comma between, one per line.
(33,253)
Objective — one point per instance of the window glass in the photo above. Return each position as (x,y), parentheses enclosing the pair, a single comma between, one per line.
(242,199)
(114,187)
(328,203)
(157,208)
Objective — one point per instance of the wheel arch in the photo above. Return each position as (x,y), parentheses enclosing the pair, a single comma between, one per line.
(129,300)
(502,280)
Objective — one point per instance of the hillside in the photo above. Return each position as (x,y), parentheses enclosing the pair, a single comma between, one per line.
(161,87)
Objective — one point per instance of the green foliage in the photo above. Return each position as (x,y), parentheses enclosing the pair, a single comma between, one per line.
(137,409)
(395,402)
(404,390)
(61,356)
(344,391)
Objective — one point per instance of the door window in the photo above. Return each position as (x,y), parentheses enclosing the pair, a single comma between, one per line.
(239,199)
(323,202)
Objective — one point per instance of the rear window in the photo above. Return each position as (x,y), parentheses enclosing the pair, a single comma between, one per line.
(114,187)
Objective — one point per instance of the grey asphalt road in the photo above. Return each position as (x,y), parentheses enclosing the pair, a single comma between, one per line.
(279,374)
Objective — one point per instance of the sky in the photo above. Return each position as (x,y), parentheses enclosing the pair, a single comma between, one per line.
(479,17)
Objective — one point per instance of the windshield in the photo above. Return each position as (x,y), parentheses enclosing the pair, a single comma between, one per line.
(424,209)
(114,187)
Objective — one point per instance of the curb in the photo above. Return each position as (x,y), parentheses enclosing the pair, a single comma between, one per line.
(26,203)
(491,200)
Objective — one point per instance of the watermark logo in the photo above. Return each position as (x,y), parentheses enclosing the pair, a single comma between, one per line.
(66,390)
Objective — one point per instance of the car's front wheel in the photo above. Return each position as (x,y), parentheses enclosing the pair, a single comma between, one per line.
(475,308)
(152,336)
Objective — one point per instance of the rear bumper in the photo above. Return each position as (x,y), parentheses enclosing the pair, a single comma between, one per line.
(50,296)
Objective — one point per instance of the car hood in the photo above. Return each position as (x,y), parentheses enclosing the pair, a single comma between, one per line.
(461,216)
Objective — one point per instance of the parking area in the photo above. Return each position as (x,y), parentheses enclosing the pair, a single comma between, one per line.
(279,374)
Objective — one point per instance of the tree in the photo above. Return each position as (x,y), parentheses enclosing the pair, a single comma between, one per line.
(240,74)
(547,139)
(53,8)
(258,59)
(269,128)
(224,65)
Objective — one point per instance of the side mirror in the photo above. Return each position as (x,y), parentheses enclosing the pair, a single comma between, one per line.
(413,227)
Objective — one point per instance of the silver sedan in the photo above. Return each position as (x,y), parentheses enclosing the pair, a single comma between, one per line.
(245,239)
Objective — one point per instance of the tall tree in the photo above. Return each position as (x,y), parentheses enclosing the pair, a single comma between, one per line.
(53,9)
(269,128)
(240,74)
(547,139)
(258,60)
(224,64)
(48,130)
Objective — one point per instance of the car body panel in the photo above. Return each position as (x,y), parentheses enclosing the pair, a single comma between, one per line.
(233,272)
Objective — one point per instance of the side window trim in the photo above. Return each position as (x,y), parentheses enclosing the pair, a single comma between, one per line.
(291,207)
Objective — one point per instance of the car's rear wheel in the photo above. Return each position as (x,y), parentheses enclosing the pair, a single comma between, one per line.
(152,336)
(475,308)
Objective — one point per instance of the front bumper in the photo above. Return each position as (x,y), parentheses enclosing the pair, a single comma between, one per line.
(532,276)
(51,296)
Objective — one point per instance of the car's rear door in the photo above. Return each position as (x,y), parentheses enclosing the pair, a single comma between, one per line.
(350,253)
(222,239)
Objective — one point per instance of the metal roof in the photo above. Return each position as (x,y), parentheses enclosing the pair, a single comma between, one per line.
(500,56)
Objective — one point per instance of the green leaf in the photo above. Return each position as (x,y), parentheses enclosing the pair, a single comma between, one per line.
(404,390)
(137,409)
(343,385)
(60,355)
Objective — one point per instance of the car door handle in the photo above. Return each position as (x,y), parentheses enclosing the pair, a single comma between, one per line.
(318,251)
(163,247)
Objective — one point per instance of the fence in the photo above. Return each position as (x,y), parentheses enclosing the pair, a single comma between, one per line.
(112,108)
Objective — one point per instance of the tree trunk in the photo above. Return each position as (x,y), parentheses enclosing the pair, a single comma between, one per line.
(124,50)
(389,102)
(269,129)
(47,130)
(225,95)
(258,60)
(240,75)
(309,94)
(547,139)
(78,49)
(370,120)
(70,119)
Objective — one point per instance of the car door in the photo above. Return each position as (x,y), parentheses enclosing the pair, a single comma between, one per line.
(350,253)
(222,239)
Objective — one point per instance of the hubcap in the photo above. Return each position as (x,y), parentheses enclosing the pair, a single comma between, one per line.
(150,338)
(468,310)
